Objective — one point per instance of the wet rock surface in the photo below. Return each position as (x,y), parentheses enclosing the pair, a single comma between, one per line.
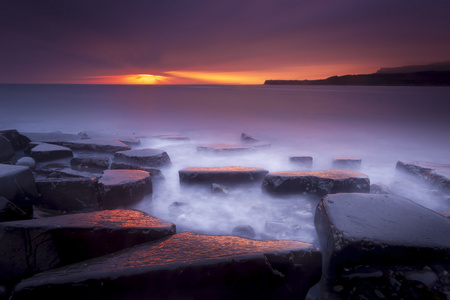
(186,266)
(434,173)
(357,230)
(143,157)
(221,175)
(122,188)
(315,182)
(155,173)
(36,245)
(69,194)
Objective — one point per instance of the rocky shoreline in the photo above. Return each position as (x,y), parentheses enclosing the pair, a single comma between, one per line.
(67,230)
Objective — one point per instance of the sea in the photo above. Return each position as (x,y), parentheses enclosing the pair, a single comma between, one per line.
(378,124)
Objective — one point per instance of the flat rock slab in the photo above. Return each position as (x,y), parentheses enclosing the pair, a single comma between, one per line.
(186,266)
(221,175)
(36,245)
(121,188)
(155,173)
(45,152)
(371,229)
(173,137)
(316,182)
(232,147)
(17,185)
(69,194)
(143,157)
(98,144)
(346,162)
(435,173)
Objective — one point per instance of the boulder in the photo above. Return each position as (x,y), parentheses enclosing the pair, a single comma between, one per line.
(186,266)
(379,188)
(36,245)
(26,161)
(351,163)
(121,188)
(154,172)
(244,231)
(44,152)
(434,173)
(110,145)
(219,189)
(18,141)
(177,209)
(378,230)
(143,157)
(89,163)
(69,194)
(10,212)
(6,149)
(248,139)
(302,161)
(52,137)
(221,175)
(18,186)
(316,182)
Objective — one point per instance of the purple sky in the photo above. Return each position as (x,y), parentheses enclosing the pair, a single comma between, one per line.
(75,41)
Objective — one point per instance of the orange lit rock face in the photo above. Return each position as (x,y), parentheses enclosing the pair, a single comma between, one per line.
(116,177)
(316,182)
(221,175)
(61,240)
(188,265)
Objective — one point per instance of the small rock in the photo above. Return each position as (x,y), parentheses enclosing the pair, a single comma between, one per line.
(302,161)
(248,139)
(177,209)
(379,188)
(244,231)
(145,157)
(346,163)
(218,189)
(26,161)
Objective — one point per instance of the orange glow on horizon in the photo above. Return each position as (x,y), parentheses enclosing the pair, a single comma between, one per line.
(242,77)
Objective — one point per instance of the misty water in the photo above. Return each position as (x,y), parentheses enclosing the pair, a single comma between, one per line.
(380,125)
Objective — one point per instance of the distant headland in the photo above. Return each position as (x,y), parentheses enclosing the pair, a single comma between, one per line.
(437,74)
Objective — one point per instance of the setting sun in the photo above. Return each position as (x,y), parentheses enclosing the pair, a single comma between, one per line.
(143,79)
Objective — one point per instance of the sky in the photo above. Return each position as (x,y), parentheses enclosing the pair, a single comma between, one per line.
(215,42)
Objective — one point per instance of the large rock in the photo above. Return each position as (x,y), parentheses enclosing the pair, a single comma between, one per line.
(221,175)
(378,230)
(52,137)
(121,188)
(18,141)
(6,149)
(155,173)
(69,194)
(143,157)
(36,245)
(18,186)
(316,182)
(186,266)
(98,144)
(44,152)
(435,173)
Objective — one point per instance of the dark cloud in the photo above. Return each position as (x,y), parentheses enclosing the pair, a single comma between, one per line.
(66,39)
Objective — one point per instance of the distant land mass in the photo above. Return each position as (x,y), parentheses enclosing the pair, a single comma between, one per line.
(436,74)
